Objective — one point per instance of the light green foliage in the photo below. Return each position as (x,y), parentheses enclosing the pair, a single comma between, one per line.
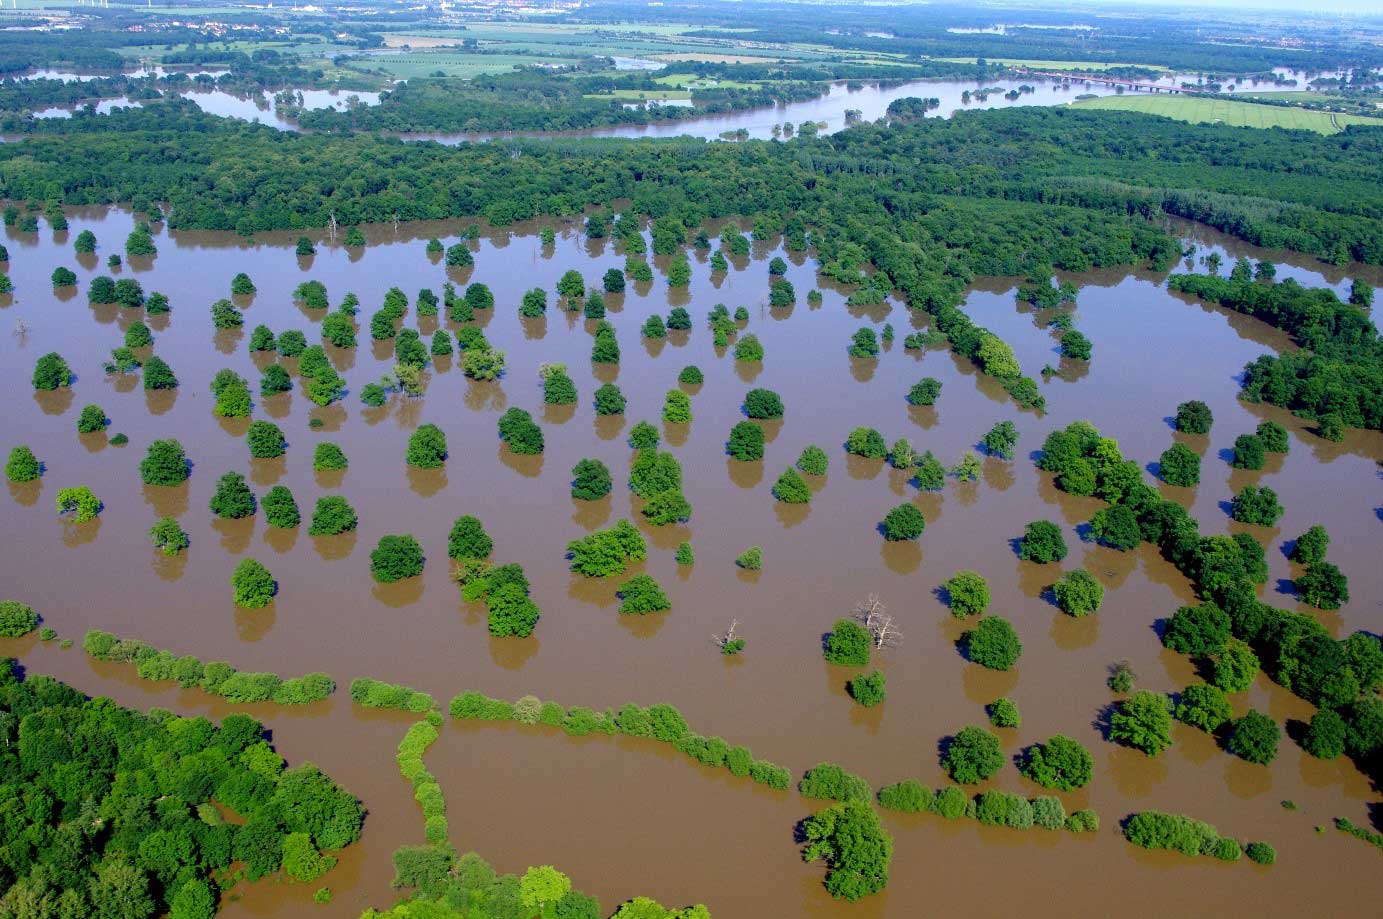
(1003,713)
(967,593)
(642,594)
(1078,593)
(252,584)
(22,465)
(791,489)
(751,559)
(607,552)
(866,442)
(1143,721)
(16,619)
(79,502)
(813,460)
(167,536)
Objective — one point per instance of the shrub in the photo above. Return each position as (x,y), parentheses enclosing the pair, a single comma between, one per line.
(458,256)
(1143,721)
(333,515)
(813,460)
(791,489)
(609,400)
(642,594)
(427,447)
(910,797)
(864,344)
(763,403)
(1157,830)
(643,436)
(518,429)
(51,372)
(746,442)
(613,281)
(1256,506)
(1248,452)
(677,407)
(233,499)
(684,555)
(253,585)
(751,559)
(1194,417)
(607,552)
(1060,763)
(280,508)
(924,392)
(16,619)
(1325,738)
(1255,738)
(329,457)
(167,536)
(1042,543)
(1075,345)
(829,782)
(1180,465)
(92,419)
(1003,713)
(973,755)
(866,442)
(80,502)
(241,285)
(1310,547)
(1197,629)
(1078,593)
(848,644)
(868,689)
(590,480)
(265,440)
(1323,586)
(1083,821)
(691,375)
(22,465)
(951,803)
(1260,853)
(904,522)
(396,557)
(993,643)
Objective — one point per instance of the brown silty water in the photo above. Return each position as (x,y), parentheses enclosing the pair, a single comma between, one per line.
(626,817)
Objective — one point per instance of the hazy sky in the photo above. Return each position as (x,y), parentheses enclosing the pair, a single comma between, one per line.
(1314,6)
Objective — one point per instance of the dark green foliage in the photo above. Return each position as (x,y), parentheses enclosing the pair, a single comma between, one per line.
(1075,346)
(22,465)
(609,400)
(332,515)
(1180,465)
(1078,593)
(1255,738)
(1260,853)
(338,329)
(427,447)
(1273,436)
(613,281)
(972,755)
(233,498)
(1325,738)
(51,372)
(677,407)
(590,480)
(1042,543)
(396,557)
(813,460)
(224,315)
(691,375)
(241,285)
(253,585)
(534,304)
(1310,547)
(1194,417)
(63,277)
(607,552)
(558,387)
(262,339)
(791,489)
(1001,440)
(441,344)
(1248,452)
(1323,586)
(1116,527)
(653,328)
(848,644)
(92,419)
(751,559)
(829,782)
(1204,706)
(16,619)
(518,429)
(468,539)
(1202,629)
(993,643)
(865,344)
(903,522)
(1003,713)
(667,506)
(866,442)
(857,851)
(763,403)
(138,335)
(165,464)
(1255,505)
(265,440)
(1143,721)
(746,442)
(280,508)
(1003,808)
(329,457)
(868,689)
(643,436)
(642,594)
(749,349)
(653,472)
(1157,830)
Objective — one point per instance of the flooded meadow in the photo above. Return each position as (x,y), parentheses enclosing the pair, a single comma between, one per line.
(624,816)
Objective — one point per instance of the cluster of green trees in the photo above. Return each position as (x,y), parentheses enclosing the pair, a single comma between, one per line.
(426,789)
(993,807)
(504,589)
(607,552)
(1337,376)
(856,849)
(659,722)
(215,677)
(373,693)
(1322,584)
(1159,830)
(115,812)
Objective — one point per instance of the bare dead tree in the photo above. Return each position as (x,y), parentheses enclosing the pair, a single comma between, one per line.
(722,639)
(331,225)
(396,221)
(877,620)
(20,329)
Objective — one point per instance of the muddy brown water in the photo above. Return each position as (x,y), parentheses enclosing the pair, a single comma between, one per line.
(626,817)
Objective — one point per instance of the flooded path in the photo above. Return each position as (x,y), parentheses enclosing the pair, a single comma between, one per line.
(626,817)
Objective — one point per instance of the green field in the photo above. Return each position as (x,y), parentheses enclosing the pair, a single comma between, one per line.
(1200,110)
(640,95)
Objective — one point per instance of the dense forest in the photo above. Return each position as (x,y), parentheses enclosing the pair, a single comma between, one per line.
(105,811)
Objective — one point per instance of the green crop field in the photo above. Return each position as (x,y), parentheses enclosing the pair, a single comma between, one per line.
(1201,110)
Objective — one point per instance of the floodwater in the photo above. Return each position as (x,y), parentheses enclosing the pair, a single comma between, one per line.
(626,817)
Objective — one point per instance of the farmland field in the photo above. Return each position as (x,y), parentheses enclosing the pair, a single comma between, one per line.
(1199,110)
